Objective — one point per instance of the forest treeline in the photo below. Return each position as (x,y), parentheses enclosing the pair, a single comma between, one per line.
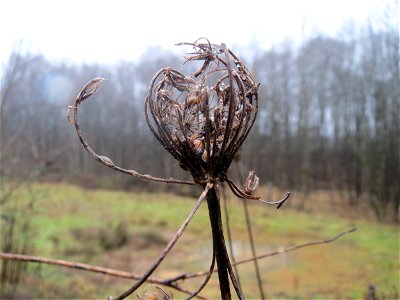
(328,118)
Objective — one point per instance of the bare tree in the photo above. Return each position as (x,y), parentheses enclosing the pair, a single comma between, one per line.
(24,156)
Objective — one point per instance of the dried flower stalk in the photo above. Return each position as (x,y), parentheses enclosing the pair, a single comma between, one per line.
(201,120)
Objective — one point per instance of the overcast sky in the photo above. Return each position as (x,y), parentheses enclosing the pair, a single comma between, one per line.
(108,31)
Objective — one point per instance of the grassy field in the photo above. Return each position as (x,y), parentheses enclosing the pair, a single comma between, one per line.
(126,230)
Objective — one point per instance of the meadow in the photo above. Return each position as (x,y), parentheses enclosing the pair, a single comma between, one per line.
(127,230)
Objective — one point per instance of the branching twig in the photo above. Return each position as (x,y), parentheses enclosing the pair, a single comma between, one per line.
(89,268)
(280,251)
(296,247)
(73,265)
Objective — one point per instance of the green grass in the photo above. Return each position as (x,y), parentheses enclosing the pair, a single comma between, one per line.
(66,222)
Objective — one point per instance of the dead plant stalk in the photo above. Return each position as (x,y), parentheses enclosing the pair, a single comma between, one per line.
(201,119)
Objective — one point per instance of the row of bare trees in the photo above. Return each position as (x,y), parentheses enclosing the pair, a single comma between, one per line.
(328,117)
(331,118)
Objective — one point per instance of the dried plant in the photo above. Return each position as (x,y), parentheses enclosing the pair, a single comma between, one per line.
(201,120)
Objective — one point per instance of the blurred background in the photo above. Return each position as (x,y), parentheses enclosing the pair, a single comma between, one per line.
(328,130)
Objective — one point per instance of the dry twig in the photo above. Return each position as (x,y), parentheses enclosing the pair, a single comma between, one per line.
(262,256)
(91,268)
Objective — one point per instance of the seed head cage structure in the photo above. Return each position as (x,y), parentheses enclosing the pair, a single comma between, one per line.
(201,119)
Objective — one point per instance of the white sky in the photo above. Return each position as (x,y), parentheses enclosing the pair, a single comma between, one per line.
(107,31)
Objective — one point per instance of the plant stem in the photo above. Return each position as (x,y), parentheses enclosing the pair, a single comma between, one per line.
(229,235)
(214,210)
(250,234)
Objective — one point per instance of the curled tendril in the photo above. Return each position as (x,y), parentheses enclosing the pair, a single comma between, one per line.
(87,91)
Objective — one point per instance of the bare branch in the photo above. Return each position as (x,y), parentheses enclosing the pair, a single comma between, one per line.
(295,247)
(88,90)
(90,268)
(72,265)
(280,251)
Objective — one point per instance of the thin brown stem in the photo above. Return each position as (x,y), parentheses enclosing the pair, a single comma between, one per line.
(295,247)
(253,249)
(219,243)
(229,235)
(251,239)
(232,275)
(274,253)
(223,262)
(90,268)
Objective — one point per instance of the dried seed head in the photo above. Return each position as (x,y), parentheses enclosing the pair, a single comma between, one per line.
(203,119)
